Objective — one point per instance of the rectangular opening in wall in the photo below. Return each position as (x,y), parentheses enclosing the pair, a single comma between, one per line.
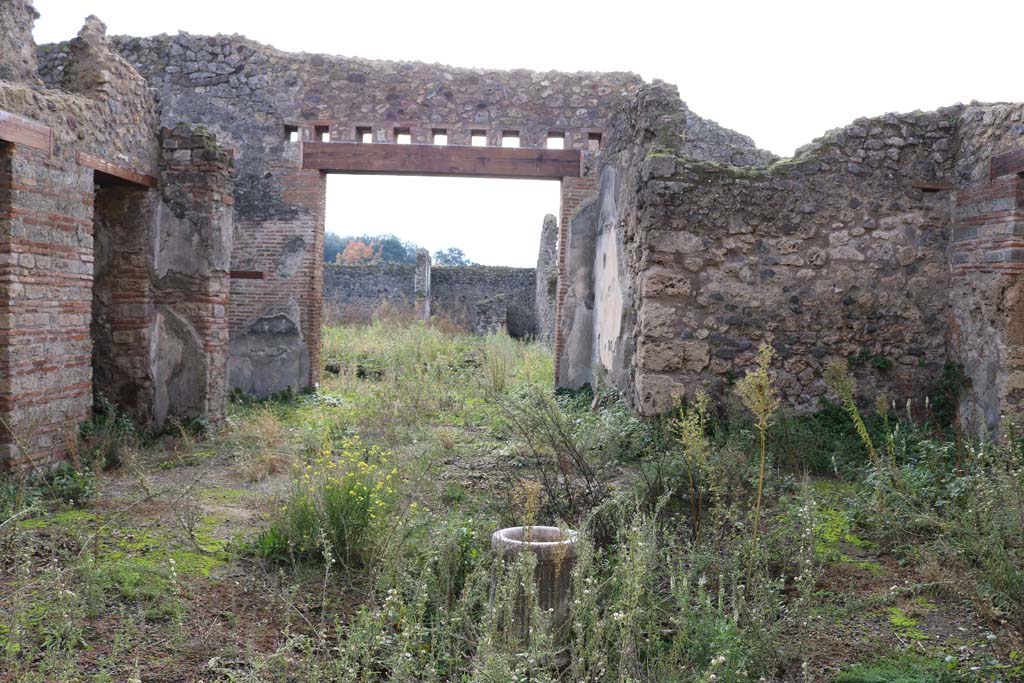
(439,136)
(364,134)
(120,358)
(478,138)
(323,133)
(556,140)
(594,142)
(291,133)
(403,136)
(510,138)
(382,236)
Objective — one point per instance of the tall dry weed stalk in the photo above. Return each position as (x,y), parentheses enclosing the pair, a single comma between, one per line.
(758,394)
(839,379)
(691,430)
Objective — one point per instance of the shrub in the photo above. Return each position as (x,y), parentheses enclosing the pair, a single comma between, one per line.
(70,486)
(105,437)
(338,504)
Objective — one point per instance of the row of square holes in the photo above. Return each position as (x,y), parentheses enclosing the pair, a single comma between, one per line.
(439,136)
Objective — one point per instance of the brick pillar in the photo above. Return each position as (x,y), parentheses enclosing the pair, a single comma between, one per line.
(46,253)
(421,284)
(191,271)
(574,192)
(987,297)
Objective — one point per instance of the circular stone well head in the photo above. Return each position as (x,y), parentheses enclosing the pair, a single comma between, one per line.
(547,542)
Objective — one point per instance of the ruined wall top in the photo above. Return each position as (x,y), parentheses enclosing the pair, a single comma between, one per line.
(984,131)
(104,107)
(657,117)
(16,43)
(257,81)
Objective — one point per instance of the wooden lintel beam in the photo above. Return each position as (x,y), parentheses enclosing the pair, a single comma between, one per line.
(23,131)
(449,160)
(1006,164)
(119,172)
(246,275)
(932,185)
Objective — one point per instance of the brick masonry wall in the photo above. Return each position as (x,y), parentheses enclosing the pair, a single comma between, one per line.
(191,281)
(46,235)
(122,304)
(46,254)
(987,267)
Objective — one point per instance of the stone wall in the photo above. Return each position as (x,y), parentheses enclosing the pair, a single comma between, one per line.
(884,245)
(546,290)
(832,256)
(456,292)
(111,113)
(253,96)
(16,44)
(889,244)
(357,292)
(257,98)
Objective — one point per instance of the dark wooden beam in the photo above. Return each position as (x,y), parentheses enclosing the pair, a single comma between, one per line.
(22,131)
(118,172)
(1006,164)
(450,160)
(246,275)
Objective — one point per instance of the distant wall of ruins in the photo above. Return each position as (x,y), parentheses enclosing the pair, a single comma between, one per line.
(456,292)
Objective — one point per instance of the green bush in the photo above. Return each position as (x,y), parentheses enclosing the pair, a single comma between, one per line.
(70,486)
(103,439)
(337,507)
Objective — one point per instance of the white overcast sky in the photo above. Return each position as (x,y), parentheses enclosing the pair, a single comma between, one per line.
(782,72)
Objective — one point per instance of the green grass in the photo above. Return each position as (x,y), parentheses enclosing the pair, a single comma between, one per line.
(387,575)
(902,669)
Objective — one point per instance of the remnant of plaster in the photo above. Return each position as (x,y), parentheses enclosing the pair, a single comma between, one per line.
(270,355)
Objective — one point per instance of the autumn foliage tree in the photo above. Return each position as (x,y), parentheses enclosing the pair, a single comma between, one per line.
(356,253)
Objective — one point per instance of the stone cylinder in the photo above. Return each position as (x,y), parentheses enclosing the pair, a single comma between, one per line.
(555,550)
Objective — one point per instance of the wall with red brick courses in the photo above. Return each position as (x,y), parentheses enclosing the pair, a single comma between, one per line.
(122,304)
(151,311)
(986,258)
(191,273)
(46,255)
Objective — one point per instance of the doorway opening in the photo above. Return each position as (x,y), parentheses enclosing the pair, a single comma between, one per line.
(483,236)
